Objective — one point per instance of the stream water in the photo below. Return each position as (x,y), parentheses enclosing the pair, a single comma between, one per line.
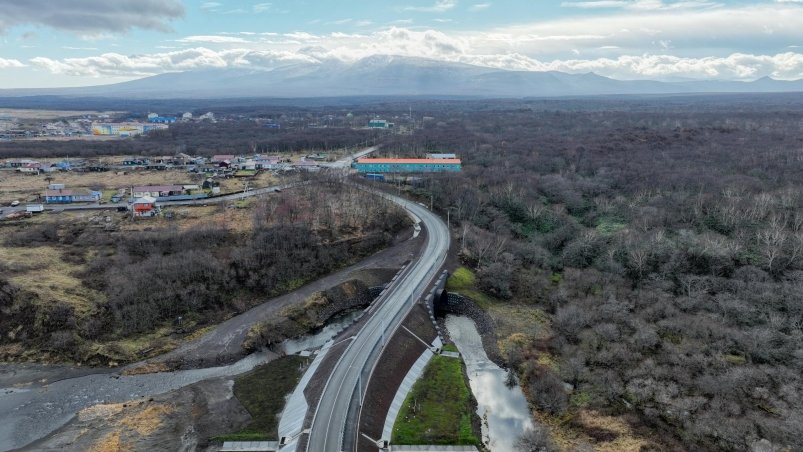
(28,414)
(334,326)
(503,410)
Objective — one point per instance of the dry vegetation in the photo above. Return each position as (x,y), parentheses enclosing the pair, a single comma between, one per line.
(126,423)
(76,287)
(25,187)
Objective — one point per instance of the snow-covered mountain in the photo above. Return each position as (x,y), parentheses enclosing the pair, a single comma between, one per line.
(384,75)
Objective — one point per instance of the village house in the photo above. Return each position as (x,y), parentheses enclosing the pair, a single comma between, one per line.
(19,163)
(30,168)
(222,158)
(144,207)
(247,164)
(61,196)
(266,162)
(306,165)
(135,162)
(156,191)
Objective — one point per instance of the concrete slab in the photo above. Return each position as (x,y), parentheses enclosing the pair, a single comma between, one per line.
(250,446)
(291,423)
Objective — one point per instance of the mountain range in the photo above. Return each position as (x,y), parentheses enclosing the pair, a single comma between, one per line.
(385,75)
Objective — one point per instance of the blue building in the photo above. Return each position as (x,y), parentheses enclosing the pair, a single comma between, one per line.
(68,196)
(369,165)
(163,119)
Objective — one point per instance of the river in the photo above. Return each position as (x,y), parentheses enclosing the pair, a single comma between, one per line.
(503,410)
(30,413)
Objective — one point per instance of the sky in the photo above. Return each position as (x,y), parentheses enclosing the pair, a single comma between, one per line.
(44,43)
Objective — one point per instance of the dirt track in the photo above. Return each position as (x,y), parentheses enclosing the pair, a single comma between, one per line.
(222,344)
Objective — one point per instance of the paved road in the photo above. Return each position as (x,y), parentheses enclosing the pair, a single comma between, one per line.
(346,161)
(333,411)
(343,163)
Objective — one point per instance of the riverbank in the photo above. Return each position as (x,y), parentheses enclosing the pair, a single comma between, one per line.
(31,408)
(503,408)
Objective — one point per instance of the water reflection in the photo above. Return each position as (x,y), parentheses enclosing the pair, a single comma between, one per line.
(503,410)
(335,325)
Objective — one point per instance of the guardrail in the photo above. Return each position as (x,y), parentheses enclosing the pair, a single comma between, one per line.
(380,346)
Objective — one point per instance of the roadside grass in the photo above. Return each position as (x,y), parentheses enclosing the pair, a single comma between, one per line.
(439,408)
(263,392)
(509,317)
(464,282)
(515,318)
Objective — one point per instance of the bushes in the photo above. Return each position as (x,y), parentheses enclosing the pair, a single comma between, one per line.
(148,279)
(546,390)
(674,237)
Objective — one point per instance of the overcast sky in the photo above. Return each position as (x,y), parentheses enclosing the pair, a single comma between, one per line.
(46,43)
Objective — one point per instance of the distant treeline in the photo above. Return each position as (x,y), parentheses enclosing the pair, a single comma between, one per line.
(197,138)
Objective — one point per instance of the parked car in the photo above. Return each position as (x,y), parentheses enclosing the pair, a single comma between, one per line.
(15,203)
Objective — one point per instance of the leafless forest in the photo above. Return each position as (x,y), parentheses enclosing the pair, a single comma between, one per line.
(665,241)
(663,238)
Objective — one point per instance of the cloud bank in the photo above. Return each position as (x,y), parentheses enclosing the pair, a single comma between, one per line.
(642,39)
(91,16)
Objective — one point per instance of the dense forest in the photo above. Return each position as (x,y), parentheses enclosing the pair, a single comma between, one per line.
(146,279)
(241,136)
(666,246)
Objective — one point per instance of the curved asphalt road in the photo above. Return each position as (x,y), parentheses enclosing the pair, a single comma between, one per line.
(332,413)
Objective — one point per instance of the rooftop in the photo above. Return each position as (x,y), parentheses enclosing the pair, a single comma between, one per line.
(157,188)
(420,161)
(145,200)
(222,157)
(58,193)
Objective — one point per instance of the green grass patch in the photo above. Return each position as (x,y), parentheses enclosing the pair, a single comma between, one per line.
(262,392)
(439,408)
(735,359)
(245,173)
(243,203)
(450,348)
(243,437)
(464,282)
(610,225)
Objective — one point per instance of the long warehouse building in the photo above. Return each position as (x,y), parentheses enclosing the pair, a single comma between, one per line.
(369,165)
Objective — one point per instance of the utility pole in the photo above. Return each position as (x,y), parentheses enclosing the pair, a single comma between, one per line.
(463,245)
